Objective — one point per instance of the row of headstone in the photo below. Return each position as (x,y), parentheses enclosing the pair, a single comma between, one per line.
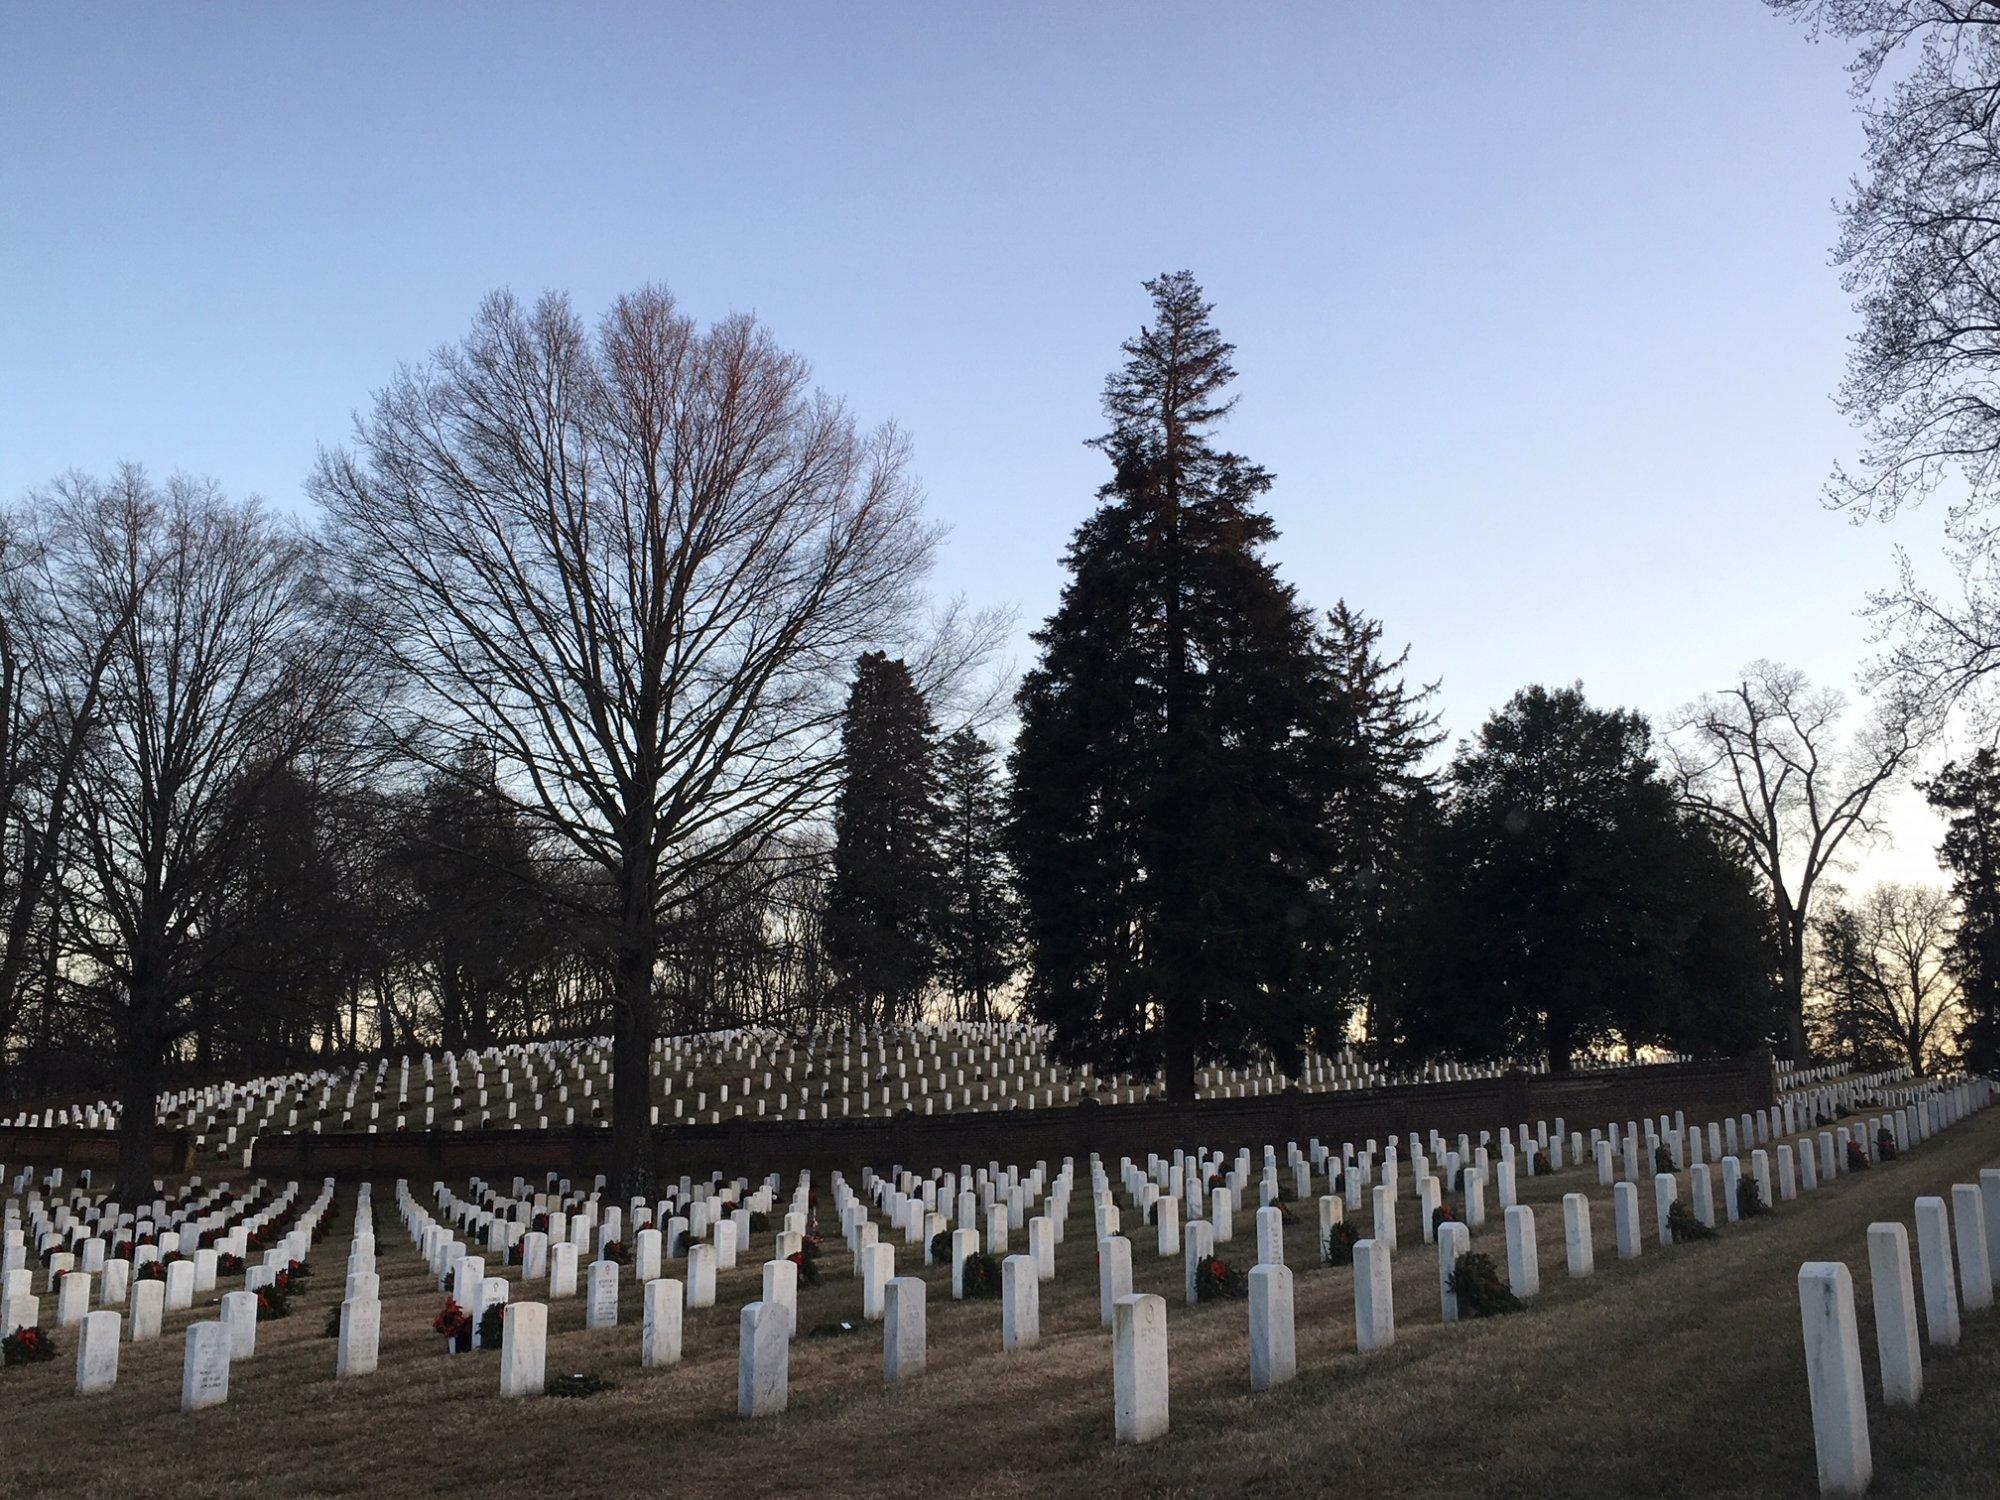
(754,1072)
(149,1262)
(168,1245)
(1969,1223)
(1141,1401)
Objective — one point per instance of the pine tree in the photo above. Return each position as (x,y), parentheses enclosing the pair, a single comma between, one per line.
(885,888)
(1969,796)
(1168,806)
(977,921)
(1380,733)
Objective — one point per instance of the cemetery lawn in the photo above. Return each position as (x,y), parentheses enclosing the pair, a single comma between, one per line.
(1681,1373)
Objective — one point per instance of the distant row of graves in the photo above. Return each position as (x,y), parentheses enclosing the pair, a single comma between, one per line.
(709,1078)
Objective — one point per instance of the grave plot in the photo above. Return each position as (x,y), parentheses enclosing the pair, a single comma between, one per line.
(1004,1320)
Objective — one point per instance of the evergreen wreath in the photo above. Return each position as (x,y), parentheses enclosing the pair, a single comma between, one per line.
(1475,1282)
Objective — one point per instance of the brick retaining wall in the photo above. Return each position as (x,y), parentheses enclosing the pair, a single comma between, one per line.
(73,1147)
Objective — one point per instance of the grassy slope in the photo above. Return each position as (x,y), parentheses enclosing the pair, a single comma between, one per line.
(1680,1373)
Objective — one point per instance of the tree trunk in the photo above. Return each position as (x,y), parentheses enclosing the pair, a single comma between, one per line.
(1559,1039)
(385,1017)
(138,1097)
(451,1009)
(13,977)
(1180,1052)
(632,1037)
(478,1016)
(631,1048)
(1792,988)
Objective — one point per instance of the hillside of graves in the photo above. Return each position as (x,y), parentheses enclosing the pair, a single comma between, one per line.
(709,1078)
(1550,1308)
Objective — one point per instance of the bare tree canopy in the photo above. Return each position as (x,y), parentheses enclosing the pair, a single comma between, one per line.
(1767,763)
(220,677)
(1883,972)
(1919,248)
(57,632)
(636,563)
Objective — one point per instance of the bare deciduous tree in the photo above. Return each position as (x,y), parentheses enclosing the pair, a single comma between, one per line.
(1885,963)
(59,624)
(220,677)
(1920,251)
(1766,762)
(636,564)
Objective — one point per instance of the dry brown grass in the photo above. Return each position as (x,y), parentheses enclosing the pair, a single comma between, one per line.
(1678,1374)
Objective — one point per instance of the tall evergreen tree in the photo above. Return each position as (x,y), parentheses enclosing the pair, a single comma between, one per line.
(977,921)
(1168,806)
(1969,796)
(1379,734)
(885,888)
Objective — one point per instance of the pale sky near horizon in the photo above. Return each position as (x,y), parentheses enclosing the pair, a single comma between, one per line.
(1532,302)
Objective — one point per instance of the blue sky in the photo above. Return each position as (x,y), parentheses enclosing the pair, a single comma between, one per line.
(1532,302)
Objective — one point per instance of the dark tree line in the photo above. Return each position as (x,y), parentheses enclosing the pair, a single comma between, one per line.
(602,700)
(210,861)
(528,735)
(216,862)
